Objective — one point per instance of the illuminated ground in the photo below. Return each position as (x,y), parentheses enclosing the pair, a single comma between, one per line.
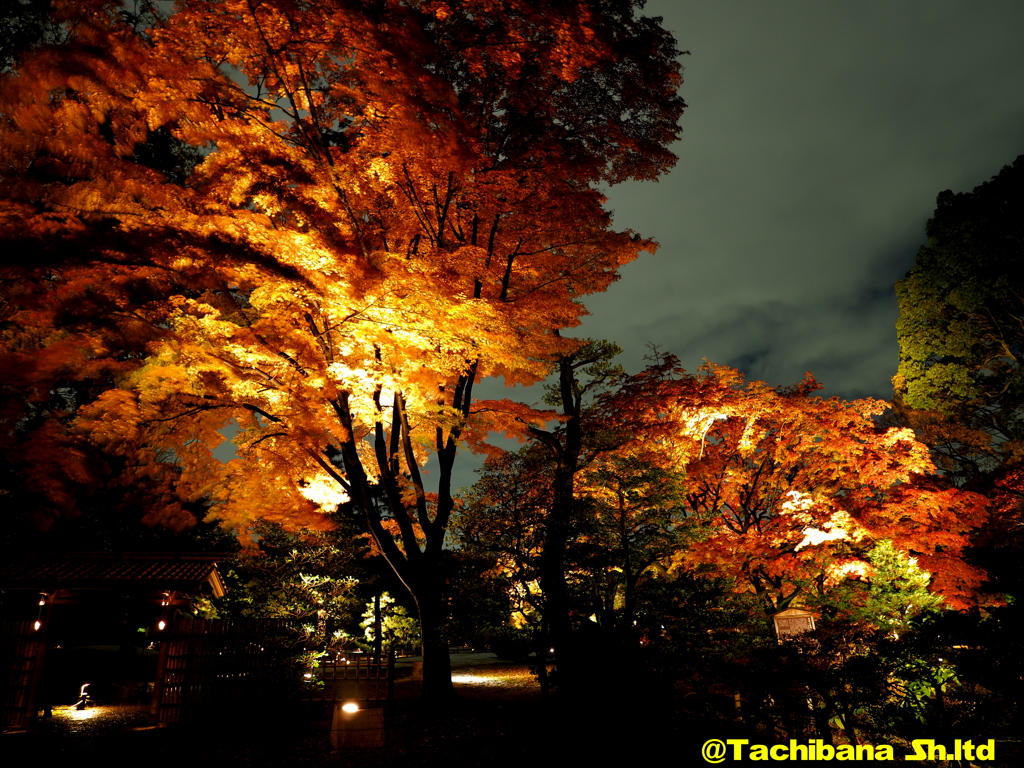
(491,683)
(498,720)
(95,719)
(483,676)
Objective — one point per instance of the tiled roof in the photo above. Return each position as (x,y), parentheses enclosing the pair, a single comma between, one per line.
(106,570)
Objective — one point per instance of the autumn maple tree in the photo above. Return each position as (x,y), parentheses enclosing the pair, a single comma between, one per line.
(795,490)
(381,203)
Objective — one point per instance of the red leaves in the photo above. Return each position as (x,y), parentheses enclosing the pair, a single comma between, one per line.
(796,489)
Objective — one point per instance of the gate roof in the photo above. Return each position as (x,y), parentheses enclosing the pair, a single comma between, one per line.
(122,571)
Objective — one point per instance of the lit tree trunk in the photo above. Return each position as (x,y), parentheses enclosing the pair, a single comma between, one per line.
(416,563)
(552,570)
(630,575)
(416,560)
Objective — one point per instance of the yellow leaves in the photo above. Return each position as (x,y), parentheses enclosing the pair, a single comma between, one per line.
(160,378)
(351,238)
(916,458)
(848,569)
(814,537)
(382,171)
(409,495)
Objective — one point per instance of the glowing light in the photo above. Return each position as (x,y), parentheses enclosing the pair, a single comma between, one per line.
(496,678)
(39,616)
(700,423)
(851,569)
(323,490)
(797,501)
(350,706)
(470,679)
(813,537)
(160,625)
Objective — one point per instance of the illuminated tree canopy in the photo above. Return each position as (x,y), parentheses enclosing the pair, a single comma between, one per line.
(795,490)
(318,222)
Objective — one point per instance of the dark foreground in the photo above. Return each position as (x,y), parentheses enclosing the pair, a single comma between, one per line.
(499,719)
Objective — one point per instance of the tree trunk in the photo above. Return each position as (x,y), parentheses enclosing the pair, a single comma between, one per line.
(559,521)
(555,589)
(437,663)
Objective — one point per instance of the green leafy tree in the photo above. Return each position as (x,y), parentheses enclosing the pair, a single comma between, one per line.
(502,518)
(635,521)
(399,629)
(565,449)
(893,596)
(961,333)
(478,601)
(960,384)
(314,581)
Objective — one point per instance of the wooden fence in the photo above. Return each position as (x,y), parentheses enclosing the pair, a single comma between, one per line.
(207,665)
(357,679)
(22,647)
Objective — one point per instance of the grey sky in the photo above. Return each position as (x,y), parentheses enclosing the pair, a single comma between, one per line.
(817,137)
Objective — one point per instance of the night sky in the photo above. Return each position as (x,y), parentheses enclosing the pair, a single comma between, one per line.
(817,137)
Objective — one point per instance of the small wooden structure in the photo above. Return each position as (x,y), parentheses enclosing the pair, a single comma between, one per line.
(51,597)
(793,622)
(22,649)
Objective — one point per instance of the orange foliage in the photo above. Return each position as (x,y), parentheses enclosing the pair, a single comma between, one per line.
(373,214)
(794,490)
(365,207)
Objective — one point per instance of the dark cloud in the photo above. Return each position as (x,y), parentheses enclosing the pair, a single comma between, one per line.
(817,138)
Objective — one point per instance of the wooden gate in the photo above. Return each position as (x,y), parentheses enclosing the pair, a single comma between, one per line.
(206,665)
(22,647)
